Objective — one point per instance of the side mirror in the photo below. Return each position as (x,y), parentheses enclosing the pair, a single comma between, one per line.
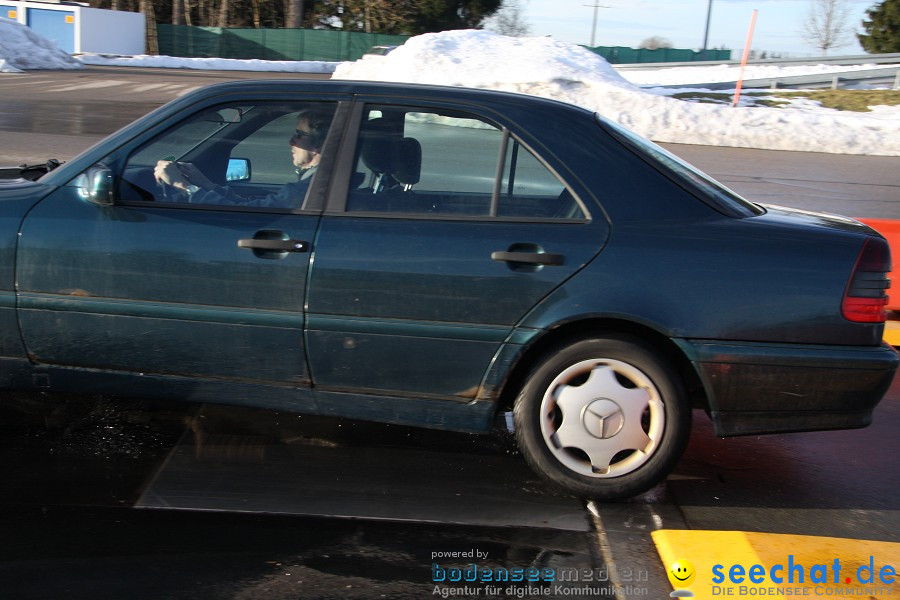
(238,169)
(96,185)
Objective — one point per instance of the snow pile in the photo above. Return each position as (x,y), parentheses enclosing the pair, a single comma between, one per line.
(472,58)
(21,49)
(553,69)
(212,64)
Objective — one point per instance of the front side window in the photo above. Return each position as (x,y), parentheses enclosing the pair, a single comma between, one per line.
(447,163)
(256,156)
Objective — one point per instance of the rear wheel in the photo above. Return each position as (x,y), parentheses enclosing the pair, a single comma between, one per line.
(603,417)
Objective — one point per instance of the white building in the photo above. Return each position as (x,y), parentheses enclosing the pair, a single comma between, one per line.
(78,28)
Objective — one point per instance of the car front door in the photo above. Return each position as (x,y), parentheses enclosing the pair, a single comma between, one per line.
(158,286)
(451,231)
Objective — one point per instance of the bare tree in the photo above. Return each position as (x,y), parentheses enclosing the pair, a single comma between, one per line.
(177,12)
(257,19)
(509,20)
(222,16)
(146,7)
(826,25)
(293,14)
(656,42)
(370,16)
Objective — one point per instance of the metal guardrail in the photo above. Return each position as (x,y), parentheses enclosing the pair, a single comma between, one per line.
(832,80)
(857,59)
(885,76)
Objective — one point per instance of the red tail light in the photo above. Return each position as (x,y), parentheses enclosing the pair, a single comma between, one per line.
(866,297)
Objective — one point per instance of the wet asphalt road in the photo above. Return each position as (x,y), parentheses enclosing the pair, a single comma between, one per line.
(112,553)
(104,498)
(108,498)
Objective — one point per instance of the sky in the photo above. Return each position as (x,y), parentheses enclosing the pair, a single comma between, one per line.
(629,22)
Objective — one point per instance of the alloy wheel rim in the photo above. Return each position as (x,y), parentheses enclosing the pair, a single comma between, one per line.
(602,418)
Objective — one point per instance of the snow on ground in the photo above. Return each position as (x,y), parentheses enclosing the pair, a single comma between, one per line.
(553,69)
(545,67)
(22,49)
(210,64)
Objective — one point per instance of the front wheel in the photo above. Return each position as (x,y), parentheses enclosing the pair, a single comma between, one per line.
(603,417)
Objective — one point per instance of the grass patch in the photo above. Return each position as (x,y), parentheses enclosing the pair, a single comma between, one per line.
(852,100)
(704,97)
(769,99)
(855,100)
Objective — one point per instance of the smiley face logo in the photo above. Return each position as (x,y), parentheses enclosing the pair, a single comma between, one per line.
(682,573)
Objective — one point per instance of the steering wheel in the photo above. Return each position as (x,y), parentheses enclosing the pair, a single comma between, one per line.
(169,193)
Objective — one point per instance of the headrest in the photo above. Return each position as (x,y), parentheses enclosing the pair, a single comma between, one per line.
(379,154)
(408,168)
(378,150)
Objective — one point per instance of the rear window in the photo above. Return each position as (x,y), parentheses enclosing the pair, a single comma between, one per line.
(705,187)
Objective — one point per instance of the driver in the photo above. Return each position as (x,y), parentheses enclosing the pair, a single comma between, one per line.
(306,148)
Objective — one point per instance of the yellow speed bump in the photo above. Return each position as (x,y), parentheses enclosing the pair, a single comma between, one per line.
(777,566)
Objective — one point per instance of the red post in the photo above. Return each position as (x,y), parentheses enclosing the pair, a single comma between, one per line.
(740,81)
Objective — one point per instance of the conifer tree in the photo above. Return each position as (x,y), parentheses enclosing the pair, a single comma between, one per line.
(882,28)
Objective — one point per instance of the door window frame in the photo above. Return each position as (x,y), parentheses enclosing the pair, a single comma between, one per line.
(318,191)
(345,164)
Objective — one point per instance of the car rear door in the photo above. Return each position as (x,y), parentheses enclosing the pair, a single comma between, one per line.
(451,229)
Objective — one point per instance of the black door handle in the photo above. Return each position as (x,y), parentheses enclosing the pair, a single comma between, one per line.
(274,245)
(533,258)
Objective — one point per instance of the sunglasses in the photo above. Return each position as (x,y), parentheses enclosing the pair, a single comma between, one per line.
(299,134)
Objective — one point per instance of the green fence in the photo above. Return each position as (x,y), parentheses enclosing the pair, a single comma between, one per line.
(336,46)
(269,44)
(625,55)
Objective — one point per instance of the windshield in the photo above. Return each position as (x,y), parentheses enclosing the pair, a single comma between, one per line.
(705,187)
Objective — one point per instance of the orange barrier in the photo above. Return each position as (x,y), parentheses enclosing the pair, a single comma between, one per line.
(890,229)
(892,333)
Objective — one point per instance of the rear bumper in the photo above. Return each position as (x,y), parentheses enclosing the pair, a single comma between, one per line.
(755,388)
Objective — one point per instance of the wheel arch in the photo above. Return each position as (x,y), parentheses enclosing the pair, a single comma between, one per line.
(579,329)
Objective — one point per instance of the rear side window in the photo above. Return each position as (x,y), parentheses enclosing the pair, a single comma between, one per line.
(451,164)
(529,189)
(708,189)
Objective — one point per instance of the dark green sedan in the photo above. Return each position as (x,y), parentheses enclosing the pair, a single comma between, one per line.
(433,257)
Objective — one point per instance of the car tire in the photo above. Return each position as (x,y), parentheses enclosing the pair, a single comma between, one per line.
(603,417)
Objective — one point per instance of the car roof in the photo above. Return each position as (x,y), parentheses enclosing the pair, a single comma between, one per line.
(349,86)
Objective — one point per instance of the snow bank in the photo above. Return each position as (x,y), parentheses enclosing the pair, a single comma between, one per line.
(473,58)
(22,49)
(212,64)
(553,69)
